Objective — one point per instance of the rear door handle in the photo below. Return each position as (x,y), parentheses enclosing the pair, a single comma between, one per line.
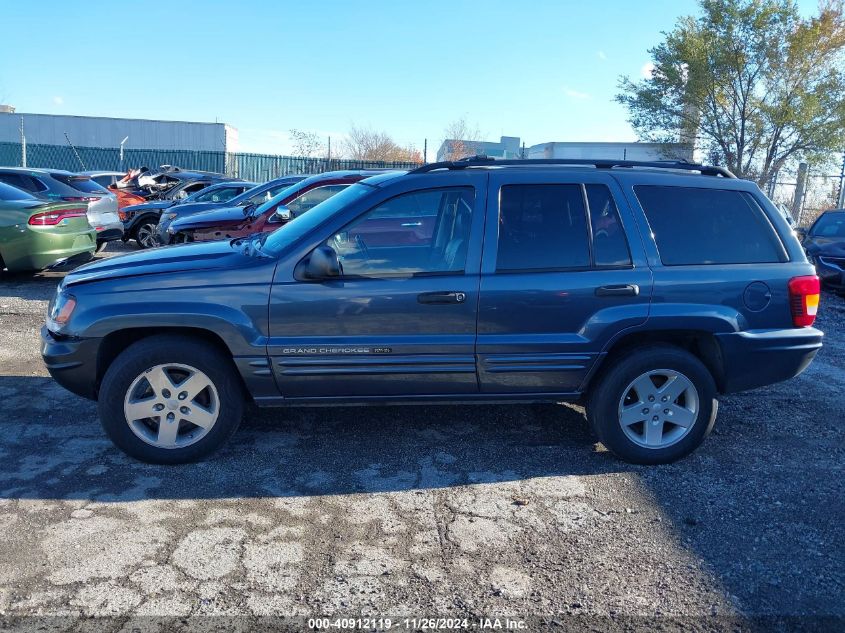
(449,296)
(622,290)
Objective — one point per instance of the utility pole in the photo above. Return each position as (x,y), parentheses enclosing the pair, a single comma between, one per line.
(522,156)
(800,186)
(425,151)
(23,146)
(121,152)
(840,199)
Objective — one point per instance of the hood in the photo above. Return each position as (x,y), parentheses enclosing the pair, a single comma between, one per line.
(209,218)
(830,246)
(188,208)
(170,259)
(149,206)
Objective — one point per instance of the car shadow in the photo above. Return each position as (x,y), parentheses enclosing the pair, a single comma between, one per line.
(52,447)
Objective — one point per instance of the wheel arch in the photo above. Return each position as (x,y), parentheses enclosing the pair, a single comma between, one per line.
(115,342)
(700,343)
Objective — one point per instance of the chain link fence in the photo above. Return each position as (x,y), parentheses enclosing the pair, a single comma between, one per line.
(820,194)
(254,167)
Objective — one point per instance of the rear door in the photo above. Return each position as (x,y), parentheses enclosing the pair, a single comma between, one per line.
(561,276)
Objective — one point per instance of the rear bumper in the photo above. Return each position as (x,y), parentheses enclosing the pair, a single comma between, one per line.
(71,362)
(110,234)
(46,250)
(757,358)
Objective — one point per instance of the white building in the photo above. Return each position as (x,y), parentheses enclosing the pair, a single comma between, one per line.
(88,131)
(612,151)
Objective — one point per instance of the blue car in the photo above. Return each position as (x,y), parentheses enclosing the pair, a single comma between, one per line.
(140,220)
(642,290)
(245,202)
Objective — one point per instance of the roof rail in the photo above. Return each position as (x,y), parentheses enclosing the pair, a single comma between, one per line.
(487,161)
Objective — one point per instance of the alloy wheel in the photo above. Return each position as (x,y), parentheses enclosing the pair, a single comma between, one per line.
(658,408)
(171,405)
(146,235)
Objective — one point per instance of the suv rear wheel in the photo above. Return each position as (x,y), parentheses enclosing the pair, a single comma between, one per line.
(655,405)
(168,400)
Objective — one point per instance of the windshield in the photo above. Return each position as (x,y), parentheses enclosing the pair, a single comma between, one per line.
(829,225)
(303,224)
(7,192)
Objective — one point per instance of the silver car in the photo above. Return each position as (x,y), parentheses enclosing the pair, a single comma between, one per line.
(59,185)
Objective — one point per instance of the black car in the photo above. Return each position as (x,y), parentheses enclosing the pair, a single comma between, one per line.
(641,291)
(140,220)
(824,243)
(246,200)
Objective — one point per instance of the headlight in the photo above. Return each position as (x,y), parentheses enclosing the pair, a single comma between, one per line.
(62,307)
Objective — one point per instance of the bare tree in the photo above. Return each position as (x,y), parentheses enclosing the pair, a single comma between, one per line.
(367,144)
(307,144)
(461,137)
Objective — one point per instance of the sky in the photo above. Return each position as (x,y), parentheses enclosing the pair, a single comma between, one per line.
(540,70)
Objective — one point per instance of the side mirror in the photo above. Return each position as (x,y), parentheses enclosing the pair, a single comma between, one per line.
(249,207)
(801,232)
(322,264)
(282,214)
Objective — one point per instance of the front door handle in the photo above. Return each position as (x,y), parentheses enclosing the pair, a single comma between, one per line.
(622,290)
(448,296)
(411,224)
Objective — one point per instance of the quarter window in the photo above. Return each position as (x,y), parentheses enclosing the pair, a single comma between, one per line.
(610,248)
(542,227)
(708,226)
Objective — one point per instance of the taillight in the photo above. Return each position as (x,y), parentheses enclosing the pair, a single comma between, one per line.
(804,299)
(51,218)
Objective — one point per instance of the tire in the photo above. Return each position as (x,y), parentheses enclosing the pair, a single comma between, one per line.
(655,431)
(130,385)
(101,246)
(145,234)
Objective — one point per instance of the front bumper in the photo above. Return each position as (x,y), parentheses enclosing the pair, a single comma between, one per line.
(164,238)
(761,357)
(71,362)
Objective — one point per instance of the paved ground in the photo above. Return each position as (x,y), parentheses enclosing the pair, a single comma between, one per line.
(462,511)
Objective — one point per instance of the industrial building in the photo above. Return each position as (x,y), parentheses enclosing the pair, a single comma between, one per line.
(105,132)
(613,151)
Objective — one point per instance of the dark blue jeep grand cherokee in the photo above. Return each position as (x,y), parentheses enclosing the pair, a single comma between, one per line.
(644,290)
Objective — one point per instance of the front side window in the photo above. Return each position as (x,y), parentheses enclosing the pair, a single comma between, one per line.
(420,232)
(542,227)
(694,226)
(223,194)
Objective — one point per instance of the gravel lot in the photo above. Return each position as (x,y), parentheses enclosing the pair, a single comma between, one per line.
(421,511)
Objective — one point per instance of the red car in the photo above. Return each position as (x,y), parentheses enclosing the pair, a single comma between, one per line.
(232,222)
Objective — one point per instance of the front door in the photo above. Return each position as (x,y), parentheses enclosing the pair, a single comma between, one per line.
(559,279)
(401,318)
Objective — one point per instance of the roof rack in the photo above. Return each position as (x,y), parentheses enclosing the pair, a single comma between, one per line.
(487,161)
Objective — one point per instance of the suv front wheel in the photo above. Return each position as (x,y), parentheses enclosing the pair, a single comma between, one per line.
(655,405)
(168,400)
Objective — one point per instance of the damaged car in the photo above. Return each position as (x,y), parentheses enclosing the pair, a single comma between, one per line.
(824,243)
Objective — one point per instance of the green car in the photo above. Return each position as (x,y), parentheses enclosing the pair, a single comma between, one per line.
(35,234)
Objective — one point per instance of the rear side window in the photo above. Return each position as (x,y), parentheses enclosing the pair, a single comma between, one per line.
(542,227)
(709,226)
(80,183)
(8,192)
